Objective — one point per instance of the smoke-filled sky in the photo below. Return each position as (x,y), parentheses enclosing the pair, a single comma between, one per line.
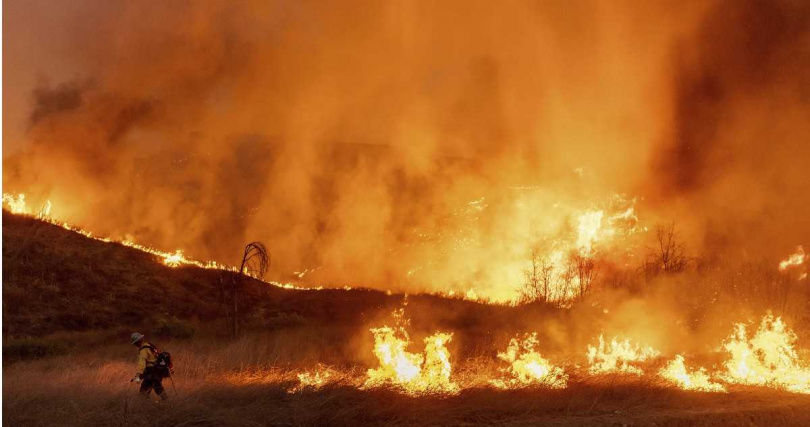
(410,144)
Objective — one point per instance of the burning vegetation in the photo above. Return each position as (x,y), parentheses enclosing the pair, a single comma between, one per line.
(676,372)
(412,372)
(525,366)
(619,356)
(580,195)
(769,358)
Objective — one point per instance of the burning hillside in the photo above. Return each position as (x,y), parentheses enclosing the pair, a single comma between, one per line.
(769,357)
(429,348)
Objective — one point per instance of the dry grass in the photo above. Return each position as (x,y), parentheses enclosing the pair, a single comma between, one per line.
(246,382)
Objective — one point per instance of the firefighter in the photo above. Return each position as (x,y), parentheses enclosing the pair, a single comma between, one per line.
(147,374)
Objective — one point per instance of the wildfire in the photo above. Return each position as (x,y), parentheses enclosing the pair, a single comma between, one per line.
(17,205)
(794,260)
(588,228)
(526,227)
(315,379)
(676,372)
(598,226)
(618,356)
(528,367)
(596,230)
(175,259)
(414,373)
(768,358)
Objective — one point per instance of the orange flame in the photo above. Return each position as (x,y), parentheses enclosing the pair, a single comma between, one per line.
(527,367)
(794,260)
(676,373)
(413,373)
(768,358)
(618,357)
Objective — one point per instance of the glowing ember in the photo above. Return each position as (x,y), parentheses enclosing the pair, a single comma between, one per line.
(413,373)
(794,260)
(618,357)
(768,358)
(676,372)
(527,367)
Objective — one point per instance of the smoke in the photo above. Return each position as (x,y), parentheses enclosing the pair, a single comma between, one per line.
(737,145)
(409,145)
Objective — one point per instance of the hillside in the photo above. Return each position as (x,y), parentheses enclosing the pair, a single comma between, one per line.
(71,301)
(58,283)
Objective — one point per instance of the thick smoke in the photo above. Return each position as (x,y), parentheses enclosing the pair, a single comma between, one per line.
(381,141)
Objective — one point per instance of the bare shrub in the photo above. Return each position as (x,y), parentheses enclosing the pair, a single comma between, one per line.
(538,286)
(584,271)
(668,256)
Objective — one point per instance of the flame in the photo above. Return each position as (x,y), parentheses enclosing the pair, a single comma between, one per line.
(794,260)
(676,372)
(618,357)
(314,380)
(527,223)
(528,367)
(175,259)
(14,204)
(45,212)
(593,230)
(589,225)
(768,358)
(413,373)
(17,205)
(596,230)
